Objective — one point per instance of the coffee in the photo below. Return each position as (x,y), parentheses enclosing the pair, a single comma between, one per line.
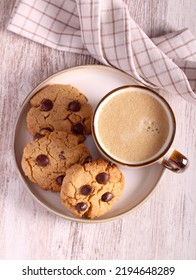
(133,126)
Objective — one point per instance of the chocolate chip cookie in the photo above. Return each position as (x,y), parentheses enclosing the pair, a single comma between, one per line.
(59,107)
(91,189)
(45,160)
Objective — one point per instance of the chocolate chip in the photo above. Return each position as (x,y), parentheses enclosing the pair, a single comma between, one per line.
(87,159)
(86,190)
(59,179)
(78,128)
(42,160)
(46,105)
(107,196)
(40,135)
(81,206)
(62,155)
(37,136)
(74,106)
(111,164)
(102,178)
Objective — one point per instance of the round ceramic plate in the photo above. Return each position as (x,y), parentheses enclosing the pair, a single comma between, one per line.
(94,81)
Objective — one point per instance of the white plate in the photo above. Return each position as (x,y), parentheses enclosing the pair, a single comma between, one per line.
(94,81)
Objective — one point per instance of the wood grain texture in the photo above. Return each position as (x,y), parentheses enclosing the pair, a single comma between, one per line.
(163,228)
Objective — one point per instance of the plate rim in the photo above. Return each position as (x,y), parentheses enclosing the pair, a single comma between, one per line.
(18,116)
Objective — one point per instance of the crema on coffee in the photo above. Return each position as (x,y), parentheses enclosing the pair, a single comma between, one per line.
(133,126)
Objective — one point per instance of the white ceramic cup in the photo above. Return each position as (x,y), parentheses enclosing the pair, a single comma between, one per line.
(134,126)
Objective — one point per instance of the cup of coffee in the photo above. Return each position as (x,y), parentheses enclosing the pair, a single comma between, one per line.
(134,126)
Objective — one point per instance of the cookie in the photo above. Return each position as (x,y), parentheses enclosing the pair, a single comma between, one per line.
(46,160)
(59,107)
(91,189)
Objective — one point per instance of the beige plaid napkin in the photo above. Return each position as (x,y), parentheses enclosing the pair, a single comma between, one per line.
(105,30)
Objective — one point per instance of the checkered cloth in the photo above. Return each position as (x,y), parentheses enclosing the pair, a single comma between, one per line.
(105,30)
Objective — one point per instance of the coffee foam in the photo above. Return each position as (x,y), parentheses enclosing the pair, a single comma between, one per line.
(150,126)
(133,126)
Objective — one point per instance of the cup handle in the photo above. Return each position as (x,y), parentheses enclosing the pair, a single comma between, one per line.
(175,161)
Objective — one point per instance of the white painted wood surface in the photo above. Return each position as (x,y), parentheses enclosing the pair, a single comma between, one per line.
(163,228)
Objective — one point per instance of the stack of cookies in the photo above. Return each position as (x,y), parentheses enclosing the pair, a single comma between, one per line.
(57,159)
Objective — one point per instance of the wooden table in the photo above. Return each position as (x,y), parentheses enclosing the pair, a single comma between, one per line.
(163,228)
